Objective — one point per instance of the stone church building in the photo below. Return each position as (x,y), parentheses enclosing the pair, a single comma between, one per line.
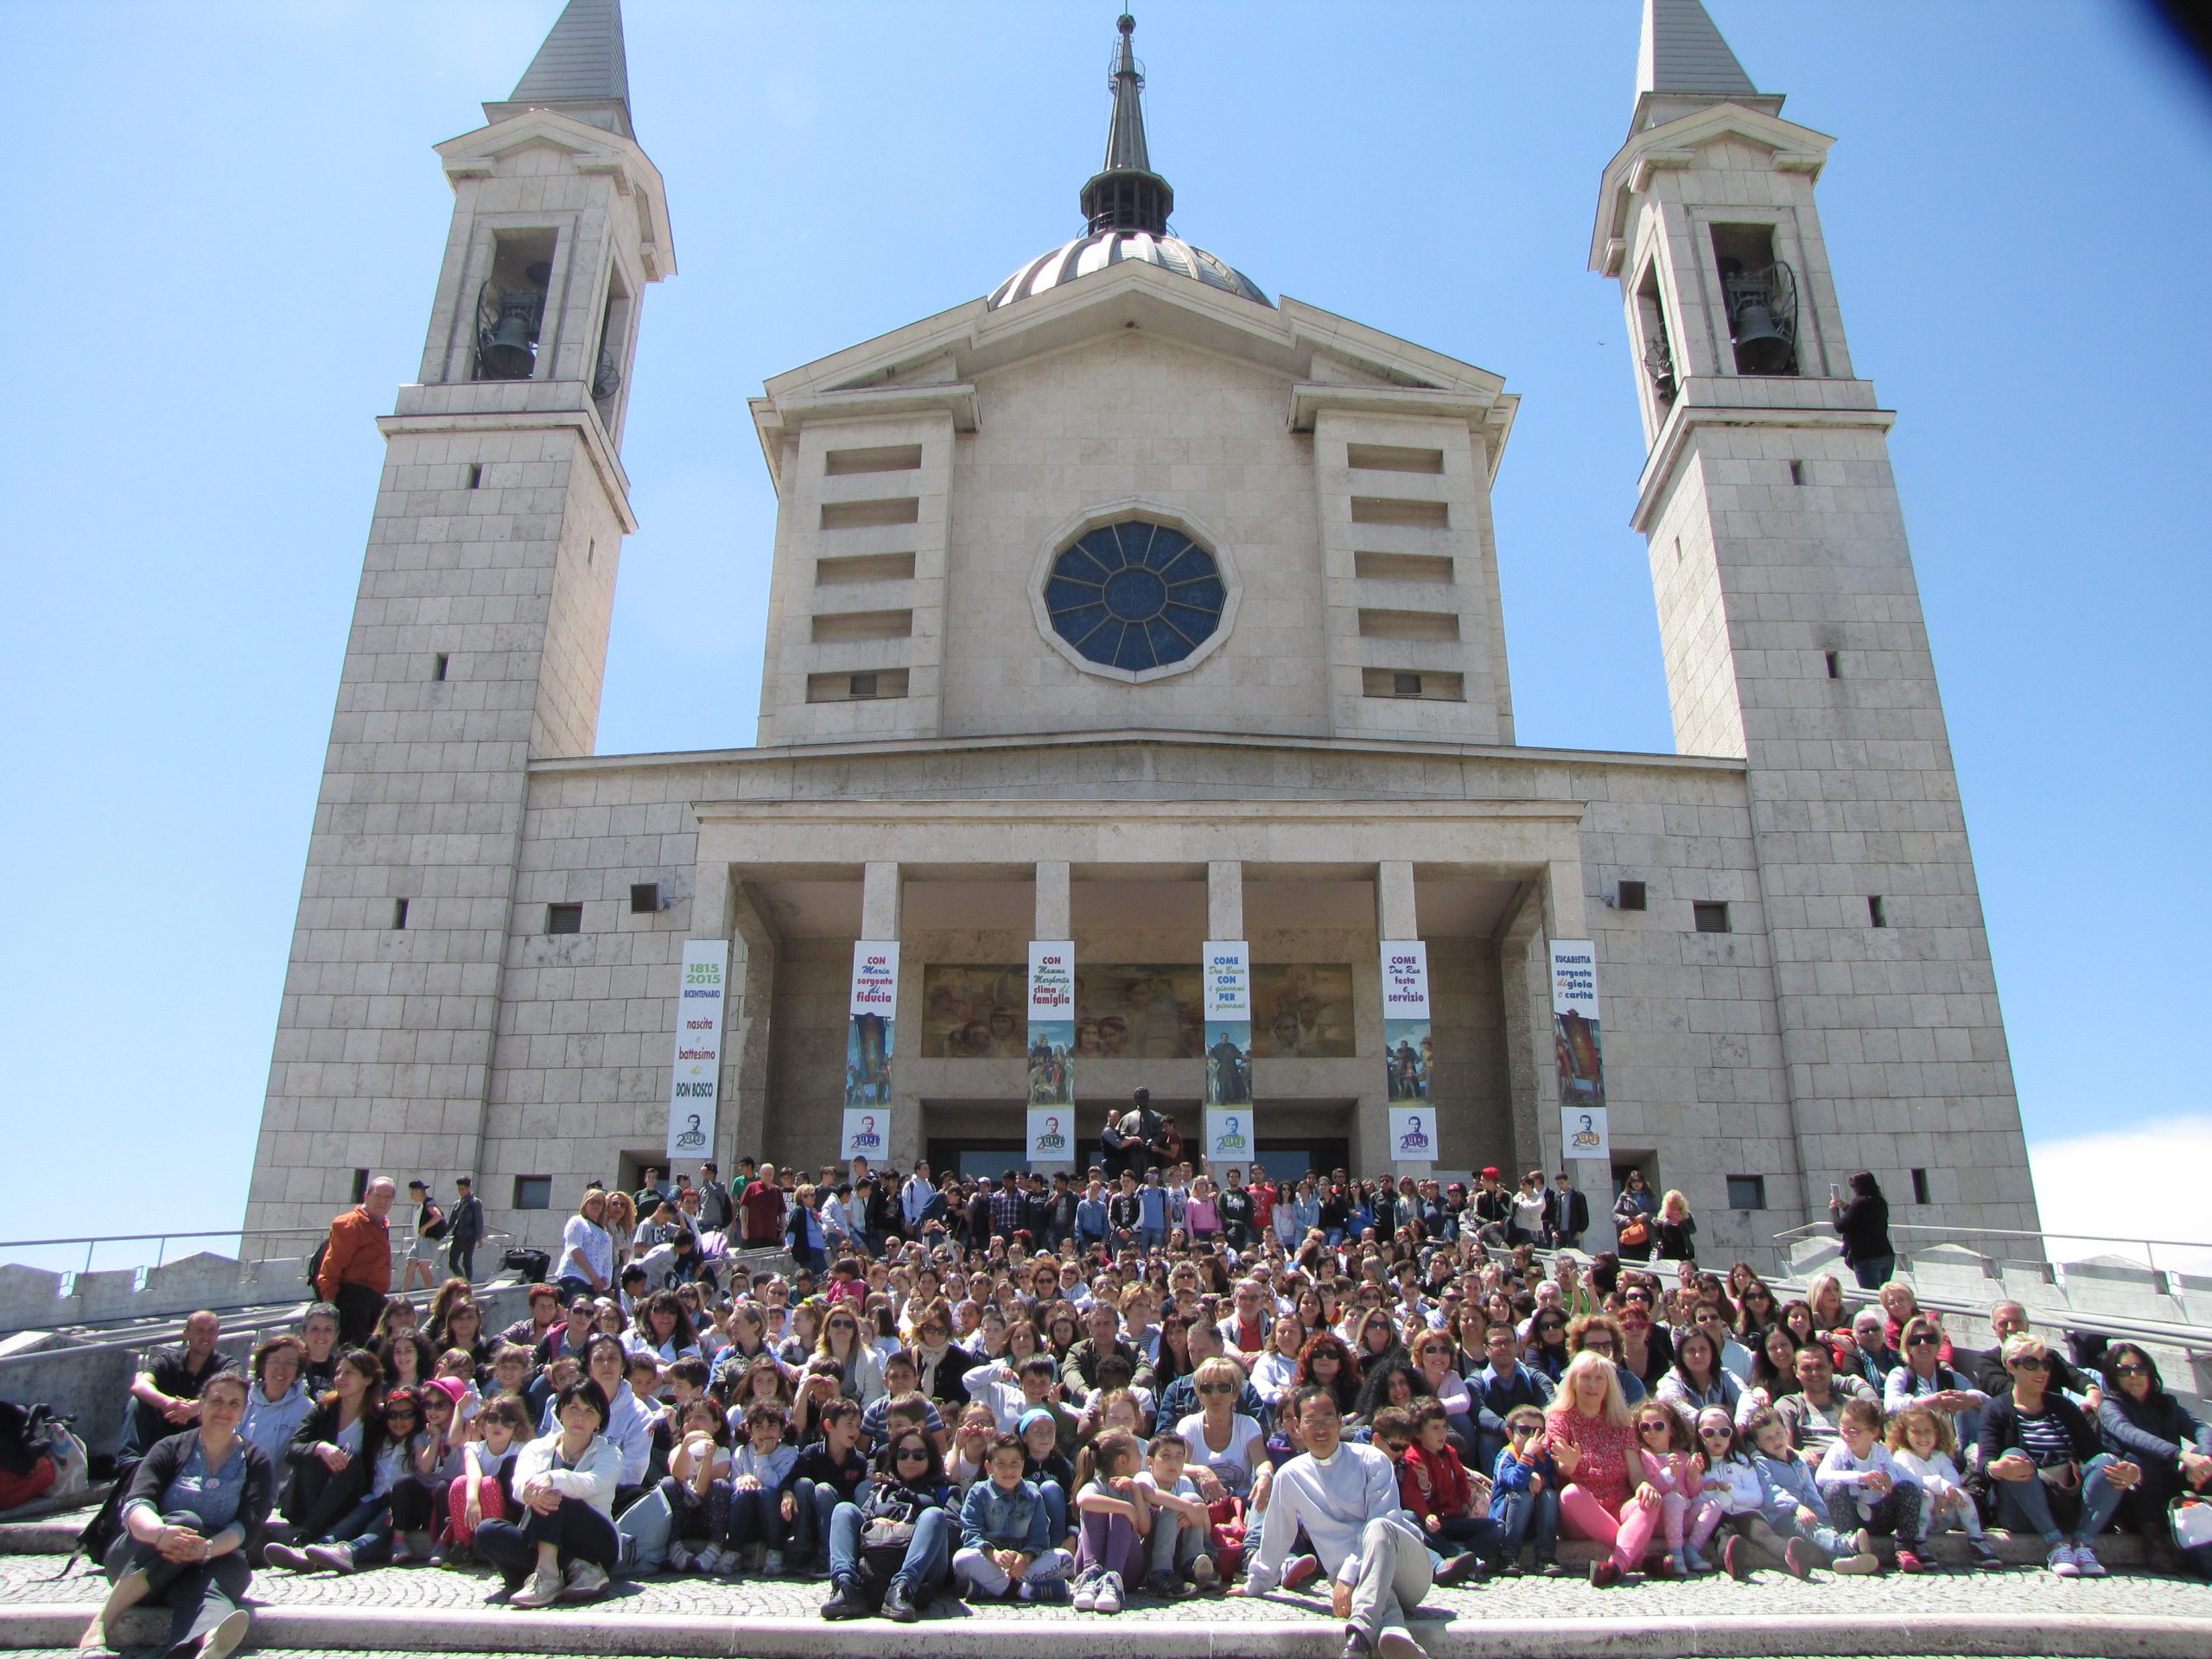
(1130,607)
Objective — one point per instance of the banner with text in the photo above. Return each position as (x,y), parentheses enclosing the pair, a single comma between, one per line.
(871,1035)
(1413,1134)
(1052,1022)
(1232,1139)
(695,1085)
(1228,982)
(1406,1037)
(1051,1139)
(1575,1040)
(866,1134)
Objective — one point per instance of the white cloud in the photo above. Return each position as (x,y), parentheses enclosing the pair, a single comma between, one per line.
(2154,1179)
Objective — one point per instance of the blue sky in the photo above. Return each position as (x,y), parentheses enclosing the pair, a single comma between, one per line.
(228,223)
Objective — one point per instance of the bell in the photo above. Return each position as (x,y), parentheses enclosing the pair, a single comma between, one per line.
(507,355)
(1761,347)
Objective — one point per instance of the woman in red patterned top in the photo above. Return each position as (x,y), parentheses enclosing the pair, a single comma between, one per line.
(1591,1437)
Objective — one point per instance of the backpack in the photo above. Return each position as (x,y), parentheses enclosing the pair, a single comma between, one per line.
(438,1228)
(315,1266)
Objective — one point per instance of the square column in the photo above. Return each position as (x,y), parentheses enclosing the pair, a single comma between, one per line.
(1225,899)
(1052,920)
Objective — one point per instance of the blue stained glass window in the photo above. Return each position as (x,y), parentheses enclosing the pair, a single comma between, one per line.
(1136,596)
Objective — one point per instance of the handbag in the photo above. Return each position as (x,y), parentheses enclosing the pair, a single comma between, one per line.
(883,1533)
(2192,1520)
(1637,1232)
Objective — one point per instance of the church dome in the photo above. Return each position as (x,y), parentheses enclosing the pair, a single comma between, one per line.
(1100,248)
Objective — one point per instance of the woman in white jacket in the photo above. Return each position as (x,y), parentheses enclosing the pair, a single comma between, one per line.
(564,1493)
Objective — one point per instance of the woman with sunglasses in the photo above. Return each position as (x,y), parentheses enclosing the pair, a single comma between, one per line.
(2045,1460)
(1547,1353)
(1925,1380)
(1227,1450)
(856,1360)
(2141,1421)
(1329,1361)
(902,1511)
(362,1536)
(1634,1212)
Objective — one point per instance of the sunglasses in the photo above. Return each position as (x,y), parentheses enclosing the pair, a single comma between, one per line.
(1215,1388)
(1923,1340)
(1522,1431)
(401,1417)
(913,1454)
(2131,1370)
(2029,1362)
(1653,1428)
(1712,1434)
(1598,1345)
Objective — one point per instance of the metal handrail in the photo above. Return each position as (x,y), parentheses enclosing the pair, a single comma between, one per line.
(1826,1229)
(92,1242)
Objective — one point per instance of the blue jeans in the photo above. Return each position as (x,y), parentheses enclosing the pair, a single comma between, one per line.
(929,1556)
(754,1516)
(1152,1238)
(2027,1503)
(1516,1513)
(818,1502)
(1875,1271)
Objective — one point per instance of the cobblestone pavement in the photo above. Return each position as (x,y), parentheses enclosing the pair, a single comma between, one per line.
(2021,1592)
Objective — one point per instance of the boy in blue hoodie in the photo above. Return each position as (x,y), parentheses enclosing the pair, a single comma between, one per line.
(1524,1491)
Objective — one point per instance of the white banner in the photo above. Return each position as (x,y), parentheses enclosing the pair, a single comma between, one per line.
(1051,1138)
(1583,1132)
(1231,1141)
(1577,1040)
(1228,980)
(1405,979)
(1051,1025)
(876,977)
(696,1084)
(868,1135)
(1413,1134)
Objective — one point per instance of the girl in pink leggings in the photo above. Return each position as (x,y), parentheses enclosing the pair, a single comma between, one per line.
(478,1494)
(1592,1437)
(1675,1468)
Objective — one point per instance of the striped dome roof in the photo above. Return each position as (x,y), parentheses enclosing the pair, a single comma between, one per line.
(1102,248)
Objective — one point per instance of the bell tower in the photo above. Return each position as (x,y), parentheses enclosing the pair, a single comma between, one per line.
(1790,622)
(479,638)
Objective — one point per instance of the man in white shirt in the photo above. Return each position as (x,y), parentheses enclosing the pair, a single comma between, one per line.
(1346,1498)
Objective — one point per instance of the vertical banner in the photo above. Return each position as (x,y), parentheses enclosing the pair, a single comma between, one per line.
(1413,1134)
(1052,1022)
(1230,1137)
(696,1083)
(866,1134)
(1051,1138)
(1405,1046)
(870,1038)
(1229,1028)
(1575,1040)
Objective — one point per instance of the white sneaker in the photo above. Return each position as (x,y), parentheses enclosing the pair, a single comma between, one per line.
(2086,1562)
(543,1590)
(2063,1563)
(586,1579)
(1086,1589)
(681,1556)
(221,1641)
(1204,1572)
(1107,1597)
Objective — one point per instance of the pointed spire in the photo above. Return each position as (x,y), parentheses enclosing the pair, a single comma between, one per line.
(581,70)
(1682,52)
(1126,194)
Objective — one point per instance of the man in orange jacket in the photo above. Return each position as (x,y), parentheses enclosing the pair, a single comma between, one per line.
(356,1273)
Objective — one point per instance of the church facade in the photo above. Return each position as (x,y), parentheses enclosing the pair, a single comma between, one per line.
(1128,615)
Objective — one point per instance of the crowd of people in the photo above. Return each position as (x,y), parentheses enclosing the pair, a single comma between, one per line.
(1139,1384)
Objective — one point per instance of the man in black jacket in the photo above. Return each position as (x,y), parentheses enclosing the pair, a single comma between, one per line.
(1566,1214)
(465,1229)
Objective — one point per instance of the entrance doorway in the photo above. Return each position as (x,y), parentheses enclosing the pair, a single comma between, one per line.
(1285,1160)
(976,1160)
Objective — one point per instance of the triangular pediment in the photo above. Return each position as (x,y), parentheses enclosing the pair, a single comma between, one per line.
(944,355)
(480,153)
(1675,143)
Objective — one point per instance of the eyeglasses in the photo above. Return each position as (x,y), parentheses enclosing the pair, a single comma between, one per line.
(1596,1344)
(1923,1340)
